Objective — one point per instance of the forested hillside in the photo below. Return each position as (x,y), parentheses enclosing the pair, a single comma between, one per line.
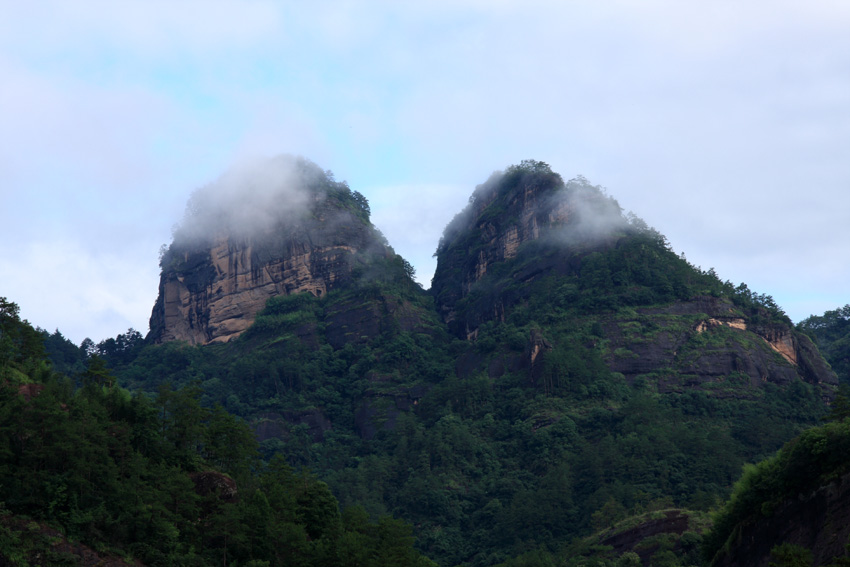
(569,390)
(574,371)
(93,474)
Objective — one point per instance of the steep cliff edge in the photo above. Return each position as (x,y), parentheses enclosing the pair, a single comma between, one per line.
(276,228)
(525,203)
(531,250)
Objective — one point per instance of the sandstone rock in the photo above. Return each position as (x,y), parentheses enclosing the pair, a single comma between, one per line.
(746,352)
(534,353)
(29,391)
(527,204)
(216,276)
(475,241)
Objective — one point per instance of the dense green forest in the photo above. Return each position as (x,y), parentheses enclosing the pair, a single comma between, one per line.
(605,384)
(484,469)
(162,478)
(507,468)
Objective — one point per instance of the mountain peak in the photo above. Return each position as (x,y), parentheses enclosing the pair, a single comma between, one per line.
(526,202)
(531,251)
(274,227)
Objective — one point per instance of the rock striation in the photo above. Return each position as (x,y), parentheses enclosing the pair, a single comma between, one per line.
(643,537)
(280,228)
(706,343)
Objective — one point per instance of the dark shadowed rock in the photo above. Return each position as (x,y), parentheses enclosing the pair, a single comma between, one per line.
(703,342)
(504,214)
(359,321)
(535,353)
(214,484)
(653,524)
(380,410)
(526,231)
(818,520)
(29,391)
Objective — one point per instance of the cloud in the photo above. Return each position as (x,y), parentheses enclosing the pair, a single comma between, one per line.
(253,197)
(85,129)
(146,27)
(66,285)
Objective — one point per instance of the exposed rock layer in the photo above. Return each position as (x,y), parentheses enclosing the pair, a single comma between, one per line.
(474,241)
(642,538)
(211,292)
(734,350)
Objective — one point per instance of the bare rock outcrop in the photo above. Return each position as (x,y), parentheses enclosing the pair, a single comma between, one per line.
(278,229)
(524,204)
(214,484)
(639,537)
(718,350)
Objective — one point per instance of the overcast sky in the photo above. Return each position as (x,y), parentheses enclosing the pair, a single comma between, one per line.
(724,124)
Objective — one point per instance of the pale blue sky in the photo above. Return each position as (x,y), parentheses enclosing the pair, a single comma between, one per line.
(726,125)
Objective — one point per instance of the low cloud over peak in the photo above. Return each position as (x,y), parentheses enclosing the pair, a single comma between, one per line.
(252,197)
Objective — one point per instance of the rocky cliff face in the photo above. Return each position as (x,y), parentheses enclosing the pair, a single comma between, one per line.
(526,203)
(706,343)
(281,229)
(529,245)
